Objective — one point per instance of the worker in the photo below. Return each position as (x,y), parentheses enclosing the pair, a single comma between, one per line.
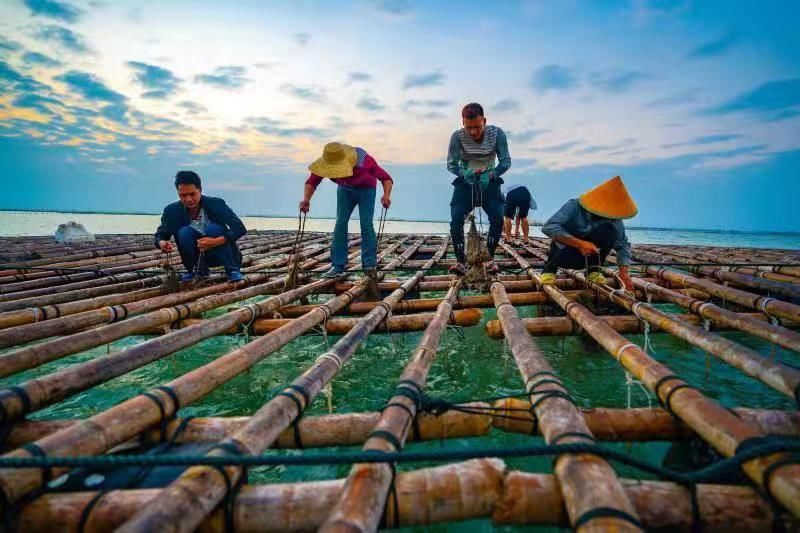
(586,229)
(471,158)
(518,202)
(356,174)
(205,230)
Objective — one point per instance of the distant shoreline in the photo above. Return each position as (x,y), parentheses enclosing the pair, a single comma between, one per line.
(643,228)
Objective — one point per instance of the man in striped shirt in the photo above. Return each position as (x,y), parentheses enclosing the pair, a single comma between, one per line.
(471,158)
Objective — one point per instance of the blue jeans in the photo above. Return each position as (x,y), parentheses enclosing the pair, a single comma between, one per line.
(347,198)
(226,255)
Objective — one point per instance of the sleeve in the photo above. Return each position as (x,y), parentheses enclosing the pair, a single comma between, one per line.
(623,248)
(554,227)
(376,170)
(314,180)
(454,156)
(235,227)
(503,156)
(163,232)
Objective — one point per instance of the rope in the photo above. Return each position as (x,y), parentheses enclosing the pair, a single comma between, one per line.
(381,226)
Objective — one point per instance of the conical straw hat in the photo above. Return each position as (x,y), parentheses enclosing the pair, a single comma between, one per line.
(609,200)
(337,161)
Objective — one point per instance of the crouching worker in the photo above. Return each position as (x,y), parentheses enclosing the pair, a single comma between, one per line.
(586,229)
(205,230)
(356,174)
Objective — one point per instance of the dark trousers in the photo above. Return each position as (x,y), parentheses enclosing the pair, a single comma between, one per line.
(465,198)
(226,255)
(603,236)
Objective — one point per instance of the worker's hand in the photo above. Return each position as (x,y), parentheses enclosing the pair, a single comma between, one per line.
(626,279)
(587,248)
(207,243)
(305,205)
(386,201)
(166,246)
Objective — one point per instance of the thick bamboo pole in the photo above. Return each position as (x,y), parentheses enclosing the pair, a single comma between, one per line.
(340,326)
(564,326)
(769,332)
(365,492)
(587,481)
(638,424)
(512,415)
(77,285)
(780,377)
(715,424)
(480,488)
(179,505)
(765,304)
(103,431)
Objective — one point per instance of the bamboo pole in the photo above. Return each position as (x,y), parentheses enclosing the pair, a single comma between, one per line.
(480,488)
(639,424)
(365,492)
(780,377)
(715,424)
(179,504)
(511,415)
(116,425)
(38,354)
(70,287)
(765,304)
(769,332)
(564,326)
(122,422)
(340,326)
(587,481)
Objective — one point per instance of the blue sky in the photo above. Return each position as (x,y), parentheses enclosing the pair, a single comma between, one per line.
(695,104)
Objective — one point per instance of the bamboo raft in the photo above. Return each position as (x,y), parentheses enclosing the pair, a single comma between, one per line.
(59,302)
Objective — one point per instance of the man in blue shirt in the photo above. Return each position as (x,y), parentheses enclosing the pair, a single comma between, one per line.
(586,229)
(205,230)
(471,158)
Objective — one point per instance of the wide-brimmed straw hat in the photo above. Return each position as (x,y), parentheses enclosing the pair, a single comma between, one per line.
(609,200)
(337,161)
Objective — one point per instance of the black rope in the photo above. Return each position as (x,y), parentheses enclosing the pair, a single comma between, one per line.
(232,447)
(18,392)
(606,512)
(412,416)
(164,420)
(395,503)
(558,438)
(87,510)
(546,395)
(387,436)
(666,403)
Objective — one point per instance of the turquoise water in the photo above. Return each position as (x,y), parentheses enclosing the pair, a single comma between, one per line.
(472,367)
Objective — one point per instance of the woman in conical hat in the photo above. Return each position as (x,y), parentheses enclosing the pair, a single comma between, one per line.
(587,228)
(357,174)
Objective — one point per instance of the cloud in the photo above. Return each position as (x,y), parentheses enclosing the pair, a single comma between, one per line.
(37,59)
(192,108)
(301,38)
(685,97)
(524,135)
(229,77)
(53,9)
(354,77)
(396,9)
(370,103)
(617,81)
(507,104)
(116,112)
(236,186)
(553,78)
(607,148)
(716,47)
(706,139)
(776,95)
(647,12)
(161,82)
(269,126)
(410,105)
(563,147)
(90,87)
(63,37)
(305,92)
(35,101)
(428,79)
(433,115)
(10,79)
(267,65)
(9,46)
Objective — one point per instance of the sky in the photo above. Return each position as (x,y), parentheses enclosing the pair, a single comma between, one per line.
(695,104)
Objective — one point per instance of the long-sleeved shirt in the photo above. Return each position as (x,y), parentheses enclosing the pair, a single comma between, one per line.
(366,173)
(572,220)
(464,154)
